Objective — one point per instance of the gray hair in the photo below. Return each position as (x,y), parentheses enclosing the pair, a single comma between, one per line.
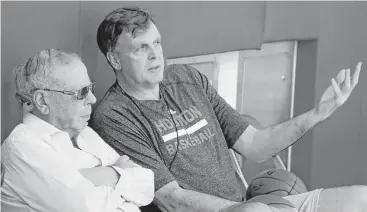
(127,19)
(37,73)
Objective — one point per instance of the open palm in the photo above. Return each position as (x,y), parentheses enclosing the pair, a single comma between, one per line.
(339,91)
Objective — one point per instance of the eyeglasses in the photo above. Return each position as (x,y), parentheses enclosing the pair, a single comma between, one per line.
(80,94)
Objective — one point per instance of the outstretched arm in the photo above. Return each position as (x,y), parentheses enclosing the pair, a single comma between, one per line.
(260,144)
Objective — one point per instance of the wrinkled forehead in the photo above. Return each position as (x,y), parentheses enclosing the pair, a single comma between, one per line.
(71,76)
(139,36)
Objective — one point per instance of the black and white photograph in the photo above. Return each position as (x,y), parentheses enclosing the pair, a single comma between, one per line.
(183,106)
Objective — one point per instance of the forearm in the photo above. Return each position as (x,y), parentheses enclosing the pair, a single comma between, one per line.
(271,140)
(134,184)
(101,176)
(179,199)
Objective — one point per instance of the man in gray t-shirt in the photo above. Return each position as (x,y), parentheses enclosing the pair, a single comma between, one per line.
(183,136)
(171,120)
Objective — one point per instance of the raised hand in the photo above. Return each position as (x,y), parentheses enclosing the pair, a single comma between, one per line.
(338,92)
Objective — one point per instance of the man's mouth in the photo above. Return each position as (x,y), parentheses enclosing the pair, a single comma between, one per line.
(154,67)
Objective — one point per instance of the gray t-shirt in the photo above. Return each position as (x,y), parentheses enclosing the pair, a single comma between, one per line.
(184,136)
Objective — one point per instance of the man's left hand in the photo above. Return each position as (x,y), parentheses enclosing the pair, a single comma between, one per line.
(338,92)
(124,162)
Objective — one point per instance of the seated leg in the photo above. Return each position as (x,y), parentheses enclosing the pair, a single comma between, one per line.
(343,199)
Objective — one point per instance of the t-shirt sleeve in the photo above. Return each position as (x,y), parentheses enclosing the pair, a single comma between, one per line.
(125,135)
(230,120)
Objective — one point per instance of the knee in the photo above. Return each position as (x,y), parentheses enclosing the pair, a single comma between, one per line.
(360,193)
(248,207)
(361,190)
(257,206)
(364,199)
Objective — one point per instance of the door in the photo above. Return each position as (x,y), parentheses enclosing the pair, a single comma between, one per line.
(265,92)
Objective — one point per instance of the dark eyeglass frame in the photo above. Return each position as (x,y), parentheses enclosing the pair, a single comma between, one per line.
(79,94)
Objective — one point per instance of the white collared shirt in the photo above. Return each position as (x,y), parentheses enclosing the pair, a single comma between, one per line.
(41,172)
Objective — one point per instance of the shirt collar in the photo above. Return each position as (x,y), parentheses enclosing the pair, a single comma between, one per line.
(39,126)
(53,135)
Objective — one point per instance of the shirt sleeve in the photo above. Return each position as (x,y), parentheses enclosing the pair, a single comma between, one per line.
(46,182)
(101,149)
(136,186)
(230,120)
(128,136)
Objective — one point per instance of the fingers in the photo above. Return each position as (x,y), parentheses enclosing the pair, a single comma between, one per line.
(347,80)
(336,88)
(124,158)
(340,77)
(356,74)
(125,162)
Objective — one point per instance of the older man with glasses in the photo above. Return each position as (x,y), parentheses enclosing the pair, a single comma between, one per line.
(53,161)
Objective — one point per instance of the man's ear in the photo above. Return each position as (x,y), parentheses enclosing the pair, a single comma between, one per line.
(112,58)
(40,102)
